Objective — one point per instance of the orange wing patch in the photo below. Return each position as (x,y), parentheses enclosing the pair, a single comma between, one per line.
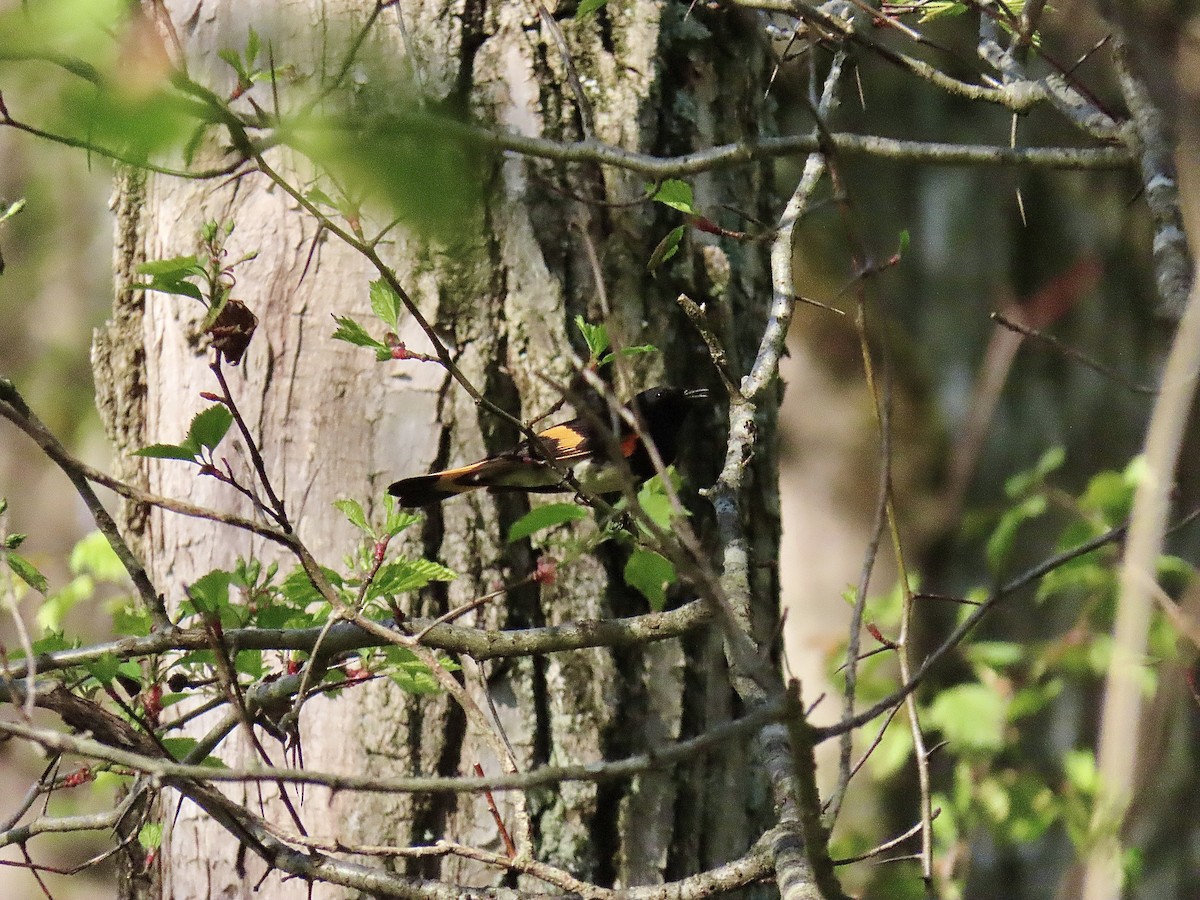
(566,442)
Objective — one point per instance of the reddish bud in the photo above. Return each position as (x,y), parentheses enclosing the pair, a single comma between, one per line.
(209,395)
(400,351)
(152,703)
(78,777)
(293,667)
(874,631)
(546,571)
(706,225)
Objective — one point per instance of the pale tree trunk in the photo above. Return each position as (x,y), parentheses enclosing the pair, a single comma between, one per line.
(332,423)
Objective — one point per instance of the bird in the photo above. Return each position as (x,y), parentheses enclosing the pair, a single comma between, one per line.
(575,445)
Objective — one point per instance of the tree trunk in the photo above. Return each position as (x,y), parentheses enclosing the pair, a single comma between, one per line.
(331,423)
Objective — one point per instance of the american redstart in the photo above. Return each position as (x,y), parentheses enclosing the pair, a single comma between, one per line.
(574,445)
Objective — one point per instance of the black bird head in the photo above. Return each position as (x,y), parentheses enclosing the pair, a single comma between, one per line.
(663,411)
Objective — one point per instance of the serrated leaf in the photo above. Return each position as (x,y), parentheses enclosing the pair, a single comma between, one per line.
(28,572)
(396,519)
(209,426)
(353,511)
(666,248)
(210,593)
(351,332)
(595,336)
(385,303)
(651,574)
(402,575)
(677,195)
(542,517)
(167,451)
(299,591)
(150,836)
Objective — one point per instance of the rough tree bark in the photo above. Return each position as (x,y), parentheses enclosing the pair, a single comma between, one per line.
(331,423)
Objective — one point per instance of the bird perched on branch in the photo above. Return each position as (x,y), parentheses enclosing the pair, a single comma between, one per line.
(575,445)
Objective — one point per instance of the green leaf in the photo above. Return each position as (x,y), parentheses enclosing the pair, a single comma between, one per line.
(104,668)
(14,540)
(1079,767)
(936,9)
(209,426)
(179,747)
(235,62)
(210,593)
(249,662)
(175,267)
(1024,482)
(385,303)
(652,496)
(94,556)
(416,160)
(626,352)
(11,209)
(995,654)
(353,511)
(595,336)
(131,619)
(171,286)
(402,575)
(167,451)
(28,572)
(905,240)
(971,717)
(588,8)
(150,836)
(542,517)
(351,332)
(50,615)
(893,751)
(1111,495)
(1000,544)
(1031,700)
(677,195)
(651,573)
(396,519)
(666,248)
(298,589)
